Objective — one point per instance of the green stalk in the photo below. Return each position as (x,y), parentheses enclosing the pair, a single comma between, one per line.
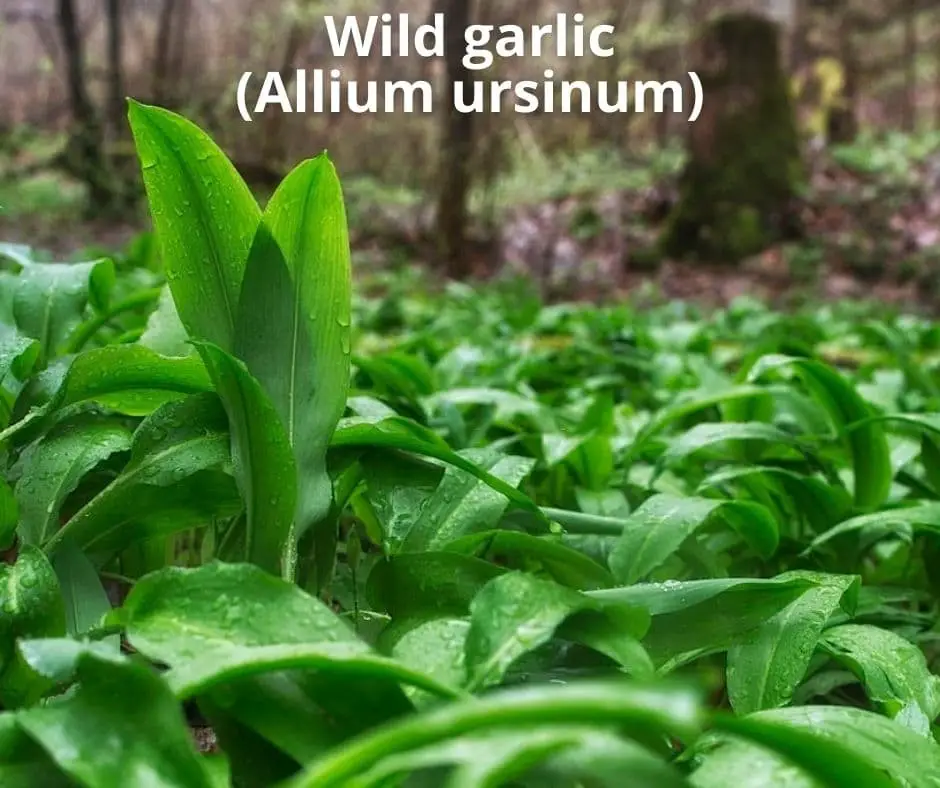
(590,702)
(585,524)
(89,328)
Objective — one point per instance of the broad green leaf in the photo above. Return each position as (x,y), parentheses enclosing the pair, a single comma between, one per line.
(547,554)
(635,707)
(893,671)
(31,605)
(703,436)
(165,333)
(175,479)
(462,504)
(658,528)
(129,379)
(516,613)
(403,435)
(264,465)
(155,748)
(18,354)
(23,763)
(922,516)
(698,617)
(49,299)
(436,648)
(692,402)
(86,601)
(428,585)
(52,467)
(204,216)
(867,444)
(497,759)
(293,324)
(229,622)
(843,747)
(744,765)
(767,664)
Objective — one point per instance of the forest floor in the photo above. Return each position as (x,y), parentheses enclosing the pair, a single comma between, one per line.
(871,215)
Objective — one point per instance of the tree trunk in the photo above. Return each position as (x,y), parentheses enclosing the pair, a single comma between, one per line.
(456,147)
(115,67)
(842,121)
(909,118)
(745,168)
(84,154)
(161,56)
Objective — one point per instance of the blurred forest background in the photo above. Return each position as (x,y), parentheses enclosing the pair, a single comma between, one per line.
(813,171)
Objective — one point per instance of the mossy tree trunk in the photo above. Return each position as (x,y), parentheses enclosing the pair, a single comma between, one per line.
(744,170)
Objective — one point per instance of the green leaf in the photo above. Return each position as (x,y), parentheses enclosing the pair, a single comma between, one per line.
(32,606)
(293,324)
(403,435)
(546,554)
(18,354)
(923,516)
(23,763)
(155,748)
(842,747)
(204,216)
(893,671)
(768,663)
(9,516)
(49,299)
(462,504)
(743,765)
(175,479)
(698,617)
(229,622)
(52,467)
(165,333)
(428,585)
(436,648)
(129,379)
(635,707)
(516,613)
(867,444)
(660,526)
(86,601)
(264,465)
(702,436)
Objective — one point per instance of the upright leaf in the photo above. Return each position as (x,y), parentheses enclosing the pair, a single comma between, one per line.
(204,215)
(293,324)
(264,465)
(867,444)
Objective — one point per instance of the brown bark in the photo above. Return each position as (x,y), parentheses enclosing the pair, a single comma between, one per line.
(456,147)
(115,66)
(84,156)
(160,87)
(909,117)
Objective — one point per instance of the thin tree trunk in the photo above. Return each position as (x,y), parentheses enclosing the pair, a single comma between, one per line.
(115,67)
(456,146)
(161,55)
(84,155)
(910,67)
